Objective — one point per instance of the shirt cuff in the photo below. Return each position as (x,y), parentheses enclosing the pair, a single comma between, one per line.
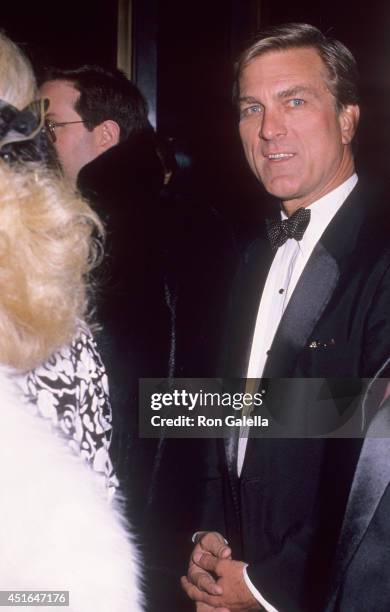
(263,602)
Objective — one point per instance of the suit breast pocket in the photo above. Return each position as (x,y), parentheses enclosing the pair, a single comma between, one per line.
(328,357)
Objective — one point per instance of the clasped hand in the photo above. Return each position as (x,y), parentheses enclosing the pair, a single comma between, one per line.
(214,581)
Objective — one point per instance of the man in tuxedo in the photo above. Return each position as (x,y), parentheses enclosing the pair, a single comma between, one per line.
(304,518)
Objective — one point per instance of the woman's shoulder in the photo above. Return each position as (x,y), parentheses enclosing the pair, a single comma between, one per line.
(71,390)
(72,363)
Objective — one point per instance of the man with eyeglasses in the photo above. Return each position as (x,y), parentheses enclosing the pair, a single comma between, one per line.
(90,111)
(98,122)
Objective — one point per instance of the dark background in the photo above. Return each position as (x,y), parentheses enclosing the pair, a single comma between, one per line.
(182,59)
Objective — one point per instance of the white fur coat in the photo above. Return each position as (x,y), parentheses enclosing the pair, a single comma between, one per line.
(57,530)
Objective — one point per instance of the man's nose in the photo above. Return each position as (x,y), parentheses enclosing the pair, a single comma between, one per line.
(273,124)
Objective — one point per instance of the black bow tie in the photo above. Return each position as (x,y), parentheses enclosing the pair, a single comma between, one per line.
(293,227)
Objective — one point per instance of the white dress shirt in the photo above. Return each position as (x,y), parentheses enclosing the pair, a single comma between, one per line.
(285,271)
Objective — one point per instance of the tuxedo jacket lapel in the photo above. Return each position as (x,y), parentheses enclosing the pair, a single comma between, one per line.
(315,287)
(309,299)
(372,477)
(231,446)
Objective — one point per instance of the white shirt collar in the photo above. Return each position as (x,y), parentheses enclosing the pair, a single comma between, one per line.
(323,211)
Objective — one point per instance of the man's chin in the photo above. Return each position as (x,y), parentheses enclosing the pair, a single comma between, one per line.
(282,190)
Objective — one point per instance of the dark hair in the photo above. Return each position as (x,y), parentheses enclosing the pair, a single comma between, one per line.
(341,66)
(105,94)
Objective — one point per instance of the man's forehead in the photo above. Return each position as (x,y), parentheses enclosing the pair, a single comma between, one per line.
(303,64)
(60,93)
(59,88)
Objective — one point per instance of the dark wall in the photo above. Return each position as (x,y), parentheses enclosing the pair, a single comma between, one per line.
(197,43)
(64,34)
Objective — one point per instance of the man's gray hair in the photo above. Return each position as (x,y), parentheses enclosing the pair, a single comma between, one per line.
(342,73)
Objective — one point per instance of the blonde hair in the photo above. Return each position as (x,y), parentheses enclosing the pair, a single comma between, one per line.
(47,243)
(17,81)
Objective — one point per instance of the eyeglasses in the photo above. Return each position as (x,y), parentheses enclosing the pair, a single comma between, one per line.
(51,127)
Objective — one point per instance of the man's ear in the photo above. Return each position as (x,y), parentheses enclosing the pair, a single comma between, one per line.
(109,134)
(349,119)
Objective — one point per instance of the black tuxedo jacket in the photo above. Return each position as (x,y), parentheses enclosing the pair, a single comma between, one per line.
(336,323)
(307,514)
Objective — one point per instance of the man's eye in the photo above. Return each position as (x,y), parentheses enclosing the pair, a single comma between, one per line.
(248,111)
(296,102)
